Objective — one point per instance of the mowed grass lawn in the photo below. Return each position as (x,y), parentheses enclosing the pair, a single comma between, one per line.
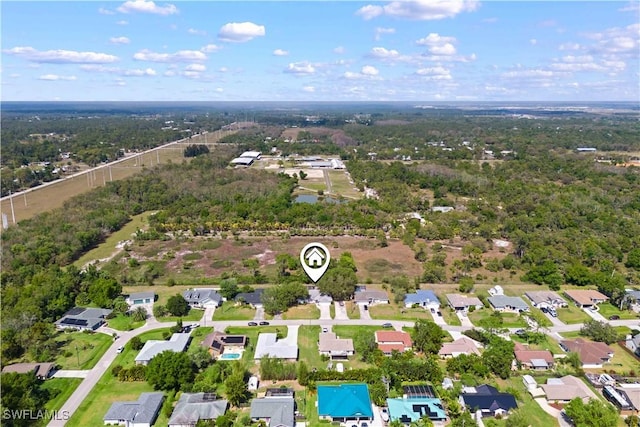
(394,311)
(192,316)
(450,316)
(122,322)
(510,320)
(607,309)
(81,350)
(572,314)
(230,310)
(308,346)
(535,415)
(353,312)
(60,389)
(306,311)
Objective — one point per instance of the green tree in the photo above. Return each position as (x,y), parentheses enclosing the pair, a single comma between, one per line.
(200,357)
(498,356)
(278,298)
(177,305)
(339,283)
(632,421)
(633,259)
(236,388)
(595,413)
(22,392)
(364,343)
(427,336)
(103,291)
(518,418)
(463,420)
(136,343)
(303,373)
(170,371)
(599,331)
(229,288)
(139,314)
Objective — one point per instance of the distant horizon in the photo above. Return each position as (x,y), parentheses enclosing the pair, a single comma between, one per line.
(420,51)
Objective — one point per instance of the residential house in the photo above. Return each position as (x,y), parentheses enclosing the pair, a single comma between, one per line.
(177,343)
(546,299)
(141,413)
(423,298)
(40,370)
(592,354)
(275,411)
(565,389)
(462,345)
(139,298)
(496,290)
(393,340)
(269,345)
(344,403)
(633,344)
(488,400)
(202,297)
(83,318)
(409,410)
(460,302)
(633,296)
(336,348)
(218,343)
(619,398)
(508,304)
(586,298)
(193,407)
(538,360)
(316,297)
(252,154)
(254,299)
(631,392)
(365,297)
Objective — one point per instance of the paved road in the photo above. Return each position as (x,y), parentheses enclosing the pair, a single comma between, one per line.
(85,387)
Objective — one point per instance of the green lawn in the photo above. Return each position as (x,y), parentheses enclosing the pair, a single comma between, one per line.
(197,336)
(539,315)
(307,311)
(306,403)
(395,312)
(193,316)
(332,310)
(353,312)
(61,389)
(80,350)
(534,413)
(122,322)
(450,317)
(572,314)
(230,310)
(308,345)
(548,344)
(607,309)
(350,331)
(511,320)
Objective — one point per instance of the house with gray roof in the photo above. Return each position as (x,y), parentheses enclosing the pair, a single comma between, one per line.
(177,343)
(193,407)
(371,297)
(548,299)
(275,411)
(254,298)
(508,304)
(83,318)
(315,296)
(202,297)
(138,298)
(424,298)
(633,344)
(141,413)
(269,345)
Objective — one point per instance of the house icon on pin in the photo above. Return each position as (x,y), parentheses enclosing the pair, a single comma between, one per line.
(315,258)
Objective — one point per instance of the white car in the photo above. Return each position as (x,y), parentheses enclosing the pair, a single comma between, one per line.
(384,414)
(120,349)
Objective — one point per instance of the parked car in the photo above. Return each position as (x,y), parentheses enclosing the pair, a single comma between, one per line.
(325,330)
(252,324)
(387,325)
(614,317)
(384,414)
(521,332)
(263,323)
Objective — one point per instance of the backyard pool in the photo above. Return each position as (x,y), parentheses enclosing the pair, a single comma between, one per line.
(230,356)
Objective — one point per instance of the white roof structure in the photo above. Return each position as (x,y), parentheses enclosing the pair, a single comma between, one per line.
(177,343)
(268,345)
(253,154)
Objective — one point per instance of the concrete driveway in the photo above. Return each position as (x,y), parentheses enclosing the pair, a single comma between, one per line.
(292,335)
(341,311)
(438,320)
(464,320)
(66,373)
(325,310)
(259,313)
(595,315)
(364,314)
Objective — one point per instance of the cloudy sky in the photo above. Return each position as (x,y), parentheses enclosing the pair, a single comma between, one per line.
(425,50)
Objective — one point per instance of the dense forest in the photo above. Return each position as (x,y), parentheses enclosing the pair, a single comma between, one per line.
(570,219)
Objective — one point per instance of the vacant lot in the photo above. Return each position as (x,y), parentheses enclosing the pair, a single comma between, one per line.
(80,350)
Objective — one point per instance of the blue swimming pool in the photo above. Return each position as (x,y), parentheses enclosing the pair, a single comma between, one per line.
(230,356)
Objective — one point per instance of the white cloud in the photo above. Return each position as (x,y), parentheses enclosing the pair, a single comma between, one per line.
(309,89)
(280,52)
(196,67)
(119,40)
(54,77)
(223,69)
(139,72)
(438,45)
(61,56)
(196,32)
(210,48)
(300,68)
(219,90)
(533,42)
(147,6)
(369,70)
(434,73)
(535,73)
(384,53)
(632,6)
(339,50)
(122,22)
(419,10)
(351,75)
(380,31)
(569,46)
(240,31)
(179,56)
(103,11)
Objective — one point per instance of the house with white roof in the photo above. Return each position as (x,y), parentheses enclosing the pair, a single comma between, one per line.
(269,345)
(177,343)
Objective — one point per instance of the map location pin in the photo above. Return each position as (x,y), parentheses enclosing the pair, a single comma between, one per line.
(315,260)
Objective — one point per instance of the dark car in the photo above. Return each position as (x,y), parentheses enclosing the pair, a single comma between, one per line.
(263,323)
(614,317)
(253,324)
(387,325)
(521,332)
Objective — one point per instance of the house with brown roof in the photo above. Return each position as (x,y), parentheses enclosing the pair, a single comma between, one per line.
(538,360)
(40,370)
(393,340)
(460,302)
(336,348)
(586,298)
(567,388)
(462,345)
(218,342)
(592,354)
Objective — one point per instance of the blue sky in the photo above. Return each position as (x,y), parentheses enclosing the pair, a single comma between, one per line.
(427,50)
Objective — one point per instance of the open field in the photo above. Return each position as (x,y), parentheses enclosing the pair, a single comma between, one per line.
(340,185)
(607,309)
(229,310)
(80,350)
(63,388)
(548,344)
(510,320)
(572,314)
(353,312)
(123,323)
(450,316)
(307,311)
(193,316)
(308,346)
(393,311)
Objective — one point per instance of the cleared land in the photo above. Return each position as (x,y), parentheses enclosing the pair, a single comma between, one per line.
(80,350)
